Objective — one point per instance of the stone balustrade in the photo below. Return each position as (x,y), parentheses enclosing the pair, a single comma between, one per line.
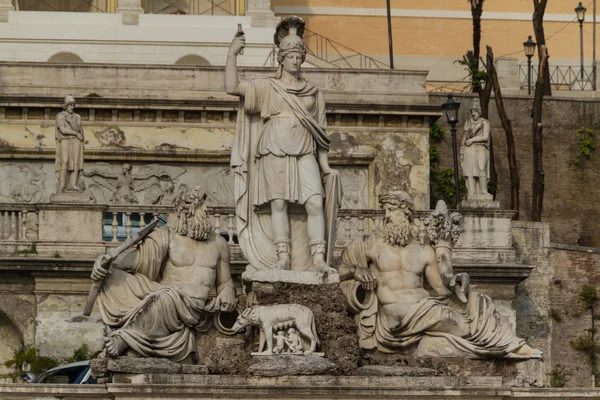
(18,227)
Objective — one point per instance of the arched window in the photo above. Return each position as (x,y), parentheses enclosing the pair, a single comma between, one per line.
(192,59)
(65,58)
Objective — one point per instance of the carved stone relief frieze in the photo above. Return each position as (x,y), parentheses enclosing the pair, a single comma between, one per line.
(22,183)
(151,184)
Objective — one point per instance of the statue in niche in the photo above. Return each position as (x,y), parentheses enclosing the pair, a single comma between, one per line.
(397,312)
(157,182)
(69,147)
(279,155)
(157,295)
(475,154)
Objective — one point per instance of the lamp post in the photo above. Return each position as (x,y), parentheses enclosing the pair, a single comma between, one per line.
(451,108)
(529,48)
(580,11)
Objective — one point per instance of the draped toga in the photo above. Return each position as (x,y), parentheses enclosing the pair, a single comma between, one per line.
(154,320)
(69,149)
(278,133)
(489,333)
(475,157)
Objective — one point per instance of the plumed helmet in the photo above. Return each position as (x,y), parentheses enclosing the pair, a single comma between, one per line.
(288,37)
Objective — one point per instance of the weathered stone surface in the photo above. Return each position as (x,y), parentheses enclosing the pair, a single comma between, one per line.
(143,366)
(285,365)
(189,369)
(299,277)
(335,328)
(479,204)
(99,366)
(384,370)
(224,355)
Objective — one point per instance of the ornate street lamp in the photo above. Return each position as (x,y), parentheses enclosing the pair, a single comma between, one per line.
(529,48)
(580,11)
(451,108)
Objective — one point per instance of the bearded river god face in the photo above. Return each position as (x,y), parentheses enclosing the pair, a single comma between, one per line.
(397,224)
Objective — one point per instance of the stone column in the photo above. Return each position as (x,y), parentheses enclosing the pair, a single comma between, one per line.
(261,13)
(131,10)
(5,7)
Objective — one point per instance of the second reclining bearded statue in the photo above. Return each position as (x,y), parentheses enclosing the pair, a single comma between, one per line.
(279,155)
(397,312)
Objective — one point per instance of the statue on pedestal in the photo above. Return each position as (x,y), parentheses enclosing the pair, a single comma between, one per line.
(475,155)
(279,155)
(398,312)
(157,295)
(69,147)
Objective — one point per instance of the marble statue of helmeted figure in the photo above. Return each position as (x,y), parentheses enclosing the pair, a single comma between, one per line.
(279,155)
(398,312)
(156,296)
(69,147)
(475,154)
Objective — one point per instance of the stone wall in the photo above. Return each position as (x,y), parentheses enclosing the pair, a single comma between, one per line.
(571,195)
(573,268)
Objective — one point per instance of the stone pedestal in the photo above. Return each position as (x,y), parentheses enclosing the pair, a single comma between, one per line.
(481,201)
(70,230)
(71,197)
(131,10)
(143,370)
(261,13)
(322,295)
(5,7)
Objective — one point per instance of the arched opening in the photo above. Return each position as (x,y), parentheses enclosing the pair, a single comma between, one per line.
(192,59)
(11,342)
(65,58)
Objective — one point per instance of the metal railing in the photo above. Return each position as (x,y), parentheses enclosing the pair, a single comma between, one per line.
(193,7)
(337,54)
(562,77)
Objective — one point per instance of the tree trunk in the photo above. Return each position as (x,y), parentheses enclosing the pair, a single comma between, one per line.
(510,139)
(539,7)
(537,131)
(476,11)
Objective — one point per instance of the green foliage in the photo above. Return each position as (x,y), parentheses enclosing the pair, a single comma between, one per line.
(29,361)
(559,376)
(57,255)
(555,315)
(587,143)
(435,136)
(585,343)
(476,76)
(31,250)
(80,354)
(588,296)
(443,188)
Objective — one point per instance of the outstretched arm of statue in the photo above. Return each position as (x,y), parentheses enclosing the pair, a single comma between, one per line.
(225,289)
(355,262)
(459,284)
(232,82)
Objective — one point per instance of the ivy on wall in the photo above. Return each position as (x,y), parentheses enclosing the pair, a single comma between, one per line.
(441,181)
(587,143)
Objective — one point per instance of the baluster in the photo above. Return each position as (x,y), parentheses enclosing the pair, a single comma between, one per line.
(230,228)
(347,229)
(2,223)
(217,219)
(115,227)
(142,220)
(128,225)
(361,226)
(24,225)
(12,227)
